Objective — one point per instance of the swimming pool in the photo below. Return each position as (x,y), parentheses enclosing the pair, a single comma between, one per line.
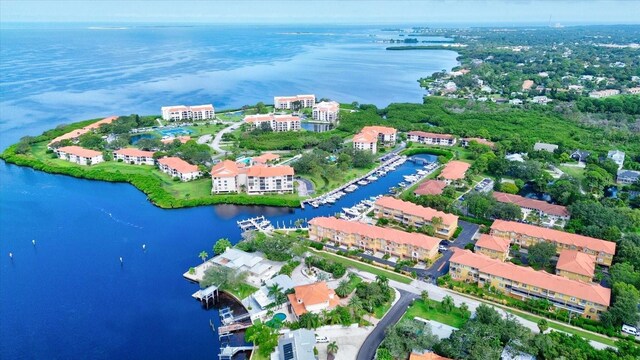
(276,321)
(175,132)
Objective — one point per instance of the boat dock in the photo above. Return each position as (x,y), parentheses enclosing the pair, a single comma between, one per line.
(259,223)
(227,352)
(207,296)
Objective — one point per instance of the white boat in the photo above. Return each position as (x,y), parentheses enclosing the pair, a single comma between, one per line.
(422,172)
(372,178)
(314,204)
(362,182)
(351,188)
(409,178)
(331,200)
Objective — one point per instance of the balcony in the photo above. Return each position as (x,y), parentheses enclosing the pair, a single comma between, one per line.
(555,302)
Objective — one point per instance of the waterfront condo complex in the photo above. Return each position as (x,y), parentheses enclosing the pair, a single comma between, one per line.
(431,138)
(178,168)
(231,177)
(369,137)
(79,155)
(410,214)
(274,122)
(75,134)
(586,299)
(288,102)
(194,112)
(326,111)
(376,239)
(134,156)
(454,172)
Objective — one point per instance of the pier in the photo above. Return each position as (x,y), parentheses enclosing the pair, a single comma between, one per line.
(259,223)
(207,295)
(227,352)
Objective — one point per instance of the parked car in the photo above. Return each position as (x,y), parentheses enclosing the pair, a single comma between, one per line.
(629,329)
(442,248)
(321,339)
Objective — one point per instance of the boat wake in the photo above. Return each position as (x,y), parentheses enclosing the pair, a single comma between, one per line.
(110,215)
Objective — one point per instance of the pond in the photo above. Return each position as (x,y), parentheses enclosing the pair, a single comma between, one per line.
(528,192)
(136,138)
(315,127)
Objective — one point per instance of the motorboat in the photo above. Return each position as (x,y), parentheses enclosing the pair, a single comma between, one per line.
(362,182)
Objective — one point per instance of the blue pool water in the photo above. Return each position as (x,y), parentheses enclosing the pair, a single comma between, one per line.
(69,297)
(280,317)
(175,132)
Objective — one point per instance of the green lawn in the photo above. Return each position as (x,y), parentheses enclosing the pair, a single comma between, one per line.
(575,172)
(379,311)
(433,312)
(242,291)
(585,334)
(205,129)
(256,356)
(324,185)
(364,267)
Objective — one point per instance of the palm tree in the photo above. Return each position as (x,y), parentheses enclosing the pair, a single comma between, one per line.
(464,308)
(275,291)
(332,349)
(424,295)
(382,280)
(203,255)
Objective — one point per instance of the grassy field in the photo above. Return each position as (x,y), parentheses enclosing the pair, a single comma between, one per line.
(568,329)
(433,312)
(364,267)
(205,129)
(575,172)
(242,291)
(324,185)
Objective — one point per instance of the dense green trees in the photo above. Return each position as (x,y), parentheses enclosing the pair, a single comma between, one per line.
(540,254)
(276,247)
(223,277)
(406,336)
(263,336)
(486,206)
(221,245)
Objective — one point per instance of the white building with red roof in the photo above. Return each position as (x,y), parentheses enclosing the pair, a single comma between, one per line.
(194,112)
(75,134)
(79,155)
(134,156)
(326,111)
(454,172)
(228,176)
(369,137)
(176,167)
(224,177)
(312,298)
(286,102)
(552,212)
(431,138)
(275,122)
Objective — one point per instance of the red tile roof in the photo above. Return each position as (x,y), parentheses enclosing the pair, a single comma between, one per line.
(178,164)
(79,151)
(182,139)
(576,262)
(481,141)
(431,187)
(365,137)
(562,237)
(524,202)
(266,157)
(226,168)
(526,275)
(431,135)
(427,356)
(76,133)
(379,129)
(376,232)
(493,243)
(415,210)
(454,170)
(312,294)
(267,171)
(134,152)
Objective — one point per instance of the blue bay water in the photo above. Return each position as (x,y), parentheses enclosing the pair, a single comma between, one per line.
(69,297)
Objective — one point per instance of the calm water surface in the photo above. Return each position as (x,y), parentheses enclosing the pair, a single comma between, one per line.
(69,297)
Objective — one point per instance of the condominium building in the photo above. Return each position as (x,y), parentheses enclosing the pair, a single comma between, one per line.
(327,111)
(633,90)
(369,137)
(431,138)
(431,187)
(194,112)
(454,172)
(176,167)
(286,102)
(411,214)
(585,299)
(604,93)
(134,156)
(373,238)
(79,155)
(275,122)
(75,134)
(542,208)
(576,265)
(228,176)
(493,247)
(526,235)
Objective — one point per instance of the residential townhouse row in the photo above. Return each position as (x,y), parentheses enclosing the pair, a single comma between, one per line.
(231,177)
(193,112)
(585,299)
(275,122)
(286,102)
(411,214)
(372,238)
(75,134)
(542,208)
(369,137)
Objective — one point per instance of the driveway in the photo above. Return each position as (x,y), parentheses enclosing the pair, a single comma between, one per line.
(370,345)
(216,141)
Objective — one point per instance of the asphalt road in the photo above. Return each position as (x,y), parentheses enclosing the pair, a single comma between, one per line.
(368,349)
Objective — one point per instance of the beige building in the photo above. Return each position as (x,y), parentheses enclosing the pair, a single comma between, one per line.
(326,111)
(414,215)
(176,167)
(493,247)
(230,177)
(370,136)
(431,138)
(79,155)
(275,122)
(576,265)
(194,112)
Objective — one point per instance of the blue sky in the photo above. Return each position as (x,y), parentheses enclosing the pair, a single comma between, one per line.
(314,12)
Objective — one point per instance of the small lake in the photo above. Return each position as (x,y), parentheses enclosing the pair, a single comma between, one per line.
(135,138)
(315,127)
(528,192)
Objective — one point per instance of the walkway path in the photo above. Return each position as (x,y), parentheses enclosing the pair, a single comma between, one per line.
(216,141)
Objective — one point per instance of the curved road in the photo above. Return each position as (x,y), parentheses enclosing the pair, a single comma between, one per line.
(216,141)
(368,349)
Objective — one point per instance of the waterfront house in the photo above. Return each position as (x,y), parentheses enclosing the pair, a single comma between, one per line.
(134,156)
(627,177)
(585,299)
(287,102)
(493,247)
(617,157)
(431,138)
(464,142)
(551,212)
(178,168)
(275,122)
(312,298)
(194,112)
(603,93)
(326,111)
(369,137)
(526,235)
(410,214)
(296,345)
(260,302)
(75,134)
(539,146)
(576,265)
(454,172)
(372,238)
(431,187)
(255,265)
(224,177)
(79,155)
(261,179)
